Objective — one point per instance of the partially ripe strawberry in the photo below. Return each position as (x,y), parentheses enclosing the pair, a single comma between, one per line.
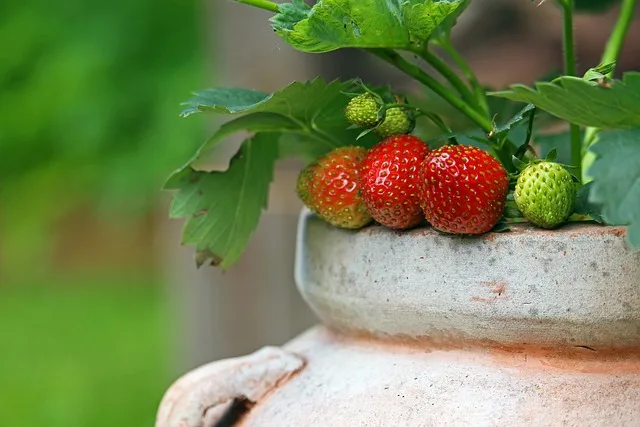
(362,111)
(463,189)
(397,121)
(390,181)
(545,194)
(330,187)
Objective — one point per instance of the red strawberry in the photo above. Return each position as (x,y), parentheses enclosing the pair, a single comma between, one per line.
(390,181)
(330,187)
(463,189)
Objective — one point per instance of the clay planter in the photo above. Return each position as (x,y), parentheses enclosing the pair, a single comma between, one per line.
(524,328)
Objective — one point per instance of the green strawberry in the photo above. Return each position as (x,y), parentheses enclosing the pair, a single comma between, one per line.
(545,194)
(330,187)
(362,111)
(396,122)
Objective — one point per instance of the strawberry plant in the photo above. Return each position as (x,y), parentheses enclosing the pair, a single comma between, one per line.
(485,169)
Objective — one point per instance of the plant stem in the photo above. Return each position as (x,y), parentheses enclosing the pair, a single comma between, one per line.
(570,70)
(480,94)
(611,53)
(261,4)
(616,40)
(418,74)
(576,147)
(440,66)
(532,116)
(569,50)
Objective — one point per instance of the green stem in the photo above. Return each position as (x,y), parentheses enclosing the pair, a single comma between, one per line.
(440,66)
(261,4)
(616,40)
(611,54)
(576,147)
(418,74)
(569,50)
(479,91)
(522,150)
(504,153)
(570,70)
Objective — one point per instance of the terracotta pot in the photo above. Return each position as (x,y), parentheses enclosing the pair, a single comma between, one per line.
(523,328)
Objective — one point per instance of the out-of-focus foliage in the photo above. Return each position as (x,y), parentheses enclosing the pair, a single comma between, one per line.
(84,351)
(594,6)
(89,102)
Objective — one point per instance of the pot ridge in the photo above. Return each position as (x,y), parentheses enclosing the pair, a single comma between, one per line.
(577,287)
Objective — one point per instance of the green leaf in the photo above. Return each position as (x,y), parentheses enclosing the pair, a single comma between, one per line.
(561,142)
(224,101)
(552,155)
(255,122)
(616,179)
(501,226)
(223,208)
(443,32)
(578,101)
(586,207)
(514,121)
(511,210)
(336,24)
(310,113)
(519,164)
(290,14)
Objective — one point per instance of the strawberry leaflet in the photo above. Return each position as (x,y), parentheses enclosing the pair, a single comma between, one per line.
(311,114)
(583,102)
(616,180)
(223,208)
(336,24)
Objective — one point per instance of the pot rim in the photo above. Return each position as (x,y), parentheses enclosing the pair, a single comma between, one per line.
(577,286)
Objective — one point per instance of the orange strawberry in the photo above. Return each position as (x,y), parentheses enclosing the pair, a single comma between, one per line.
(330,187)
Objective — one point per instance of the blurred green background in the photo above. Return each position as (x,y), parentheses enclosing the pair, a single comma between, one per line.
(89,129)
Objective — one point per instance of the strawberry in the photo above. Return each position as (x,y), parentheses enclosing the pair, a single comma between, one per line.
(463,189)
(389,177)
(545,194)
(330,187)
(396,122)
(362,111)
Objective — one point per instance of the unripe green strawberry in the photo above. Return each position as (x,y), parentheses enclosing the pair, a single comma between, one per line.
(545,194)
(362,111)
(396,122)
(330,187)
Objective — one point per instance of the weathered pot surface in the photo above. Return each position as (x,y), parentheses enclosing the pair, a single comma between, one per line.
(528,327)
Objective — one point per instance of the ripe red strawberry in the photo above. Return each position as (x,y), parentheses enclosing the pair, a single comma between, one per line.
(390,181)
(330,187)
(463,189)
